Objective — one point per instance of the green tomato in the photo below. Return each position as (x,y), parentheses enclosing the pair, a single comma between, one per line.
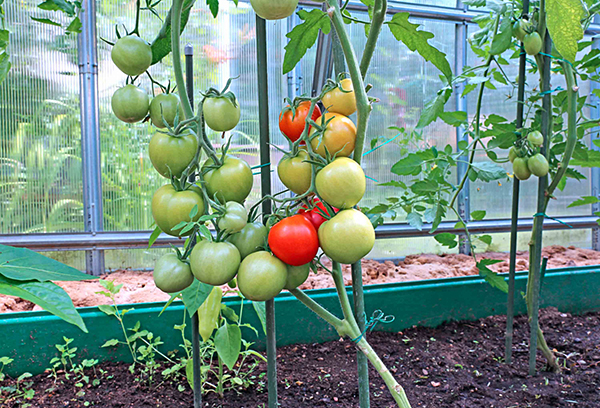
(130,103)
(532,43)
(520,168)
(132,55)
(250,239)
(170,207)
(274,9)
(163,108)
(171,275)
(342,183)
(347,237)
(512,154)
(535,138)
(230,182)
(221,114)
(171,155)
(234,219)
(261,276)
(296,276)
(215,263)
(538,165)
(295,173)
(521,28)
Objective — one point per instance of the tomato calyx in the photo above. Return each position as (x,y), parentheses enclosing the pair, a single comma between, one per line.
(224,93)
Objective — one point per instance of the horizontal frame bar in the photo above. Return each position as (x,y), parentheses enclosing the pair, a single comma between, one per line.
(85,241)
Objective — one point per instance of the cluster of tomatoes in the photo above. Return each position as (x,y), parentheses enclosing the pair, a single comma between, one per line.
(525,31)
(527,159)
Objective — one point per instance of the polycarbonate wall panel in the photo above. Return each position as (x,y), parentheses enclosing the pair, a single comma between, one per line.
(40,148)
(496,197)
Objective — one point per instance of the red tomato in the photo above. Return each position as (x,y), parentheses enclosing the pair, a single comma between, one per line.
(294,240)
(315,215)
(293,128)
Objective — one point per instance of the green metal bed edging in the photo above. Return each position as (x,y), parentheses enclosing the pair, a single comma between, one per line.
(29,337)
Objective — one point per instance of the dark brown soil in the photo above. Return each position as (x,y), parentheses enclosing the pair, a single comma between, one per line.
(454,365)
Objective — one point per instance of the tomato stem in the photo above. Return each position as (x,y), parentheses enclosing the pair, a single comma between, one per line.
(177,68)
(379,13)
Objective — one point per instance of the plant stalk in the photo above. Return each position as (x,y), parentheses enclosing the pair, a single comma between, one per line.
(176,10)
(379,13)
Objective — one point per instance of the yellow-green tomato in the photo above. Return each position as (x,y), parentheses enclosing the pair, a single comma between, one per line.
(250,239)
(171,275)
(296,276)
(208,313)
(261,276)
(535,138)
(171,155)
(234,219)
(215,263)
(521,169)
(341,100)
(170,207)
(295,173)
(532,43)
(230,182)
(132,55)
(274,9)
(347,237)
(538,165)
(512,154)
(521,28)
(163,108)
(338,138)
(342,183)
(130,104)
(221,114)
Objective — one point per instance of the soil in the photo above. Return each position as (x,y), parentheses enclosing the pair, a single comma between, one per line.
(456,365)
(139,287)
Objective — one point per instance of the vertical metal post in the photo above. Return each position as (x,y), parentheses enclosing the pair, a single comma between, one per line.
(595,177)
(90,133)
(265,173)
(197,364)
(460,60)
(323,60)
(294,78)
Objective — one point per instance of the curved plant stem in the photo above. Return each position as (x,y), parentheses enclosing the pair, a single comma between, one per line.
(175,39)
(379,13)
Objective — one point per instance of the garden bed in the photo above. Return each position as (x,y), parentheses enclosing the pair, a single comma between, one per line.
(453,365)
(139,287)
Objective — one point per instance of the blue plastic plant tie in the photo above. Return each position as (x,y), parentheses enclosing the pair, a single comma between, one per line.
(376,317)
(371,178)
(260,165)
(557,89)
(381,145)
(551,218)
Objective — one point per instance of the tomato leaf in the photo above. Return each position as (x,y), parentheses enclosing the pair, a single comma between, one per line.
(490,276)
(434,108)
(154,236)
(563,18)
(228,342)
(161,46)
(503,39)
(49,296)
(214,7)
(415,220)
(417,40)
(585,200)
(45,21)
(25,265)
(261,312)
(194,295)
(412,164)
(447,239)
(487,239)
(4,66)
(304,36)
(75,26)
(478,215)
(455,119)
(488,171)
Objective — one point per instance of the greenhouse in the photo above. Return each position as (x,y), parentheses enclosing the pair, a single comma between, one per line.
(300,203)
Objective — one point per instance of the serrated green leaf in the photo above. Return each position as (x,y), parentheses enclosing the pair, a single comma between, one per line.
(47,295)
(415,220)
(161,46)
(228,342)
(195,295)
(503,39)
(45,21)
(417,40)
(107,309)
(447,239)
(58,5)
(304,36)
(489,171)
(434,108)
(75,26)
(563,18)
(490,276)
(456,119)
(214,7)
(24,264)
(412,164)
(585,200)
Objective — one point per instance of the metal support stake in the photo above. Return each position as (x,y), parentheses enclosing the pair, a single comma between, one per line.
(595,177)
(294,78)
(265,177)
(460,60)
(323,60)
(90,133)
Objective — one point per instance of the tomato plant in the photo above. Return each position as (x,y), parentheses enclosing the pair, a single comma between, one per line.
(171,155)
(234,219)
(532,43)
(347,237)
(292,120)
(172,275)
(341,99)
(215,263)
(521,169)
(535,138)
(232,181)
(295,172)
(261,276)
(130,104)
(538,165)
(338,136)
(296,276)
(294,240)
(164,108)
(171,207)
(274,10)
(316,215)
(341,183)
(132,55)
(221,113)
(250,239)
